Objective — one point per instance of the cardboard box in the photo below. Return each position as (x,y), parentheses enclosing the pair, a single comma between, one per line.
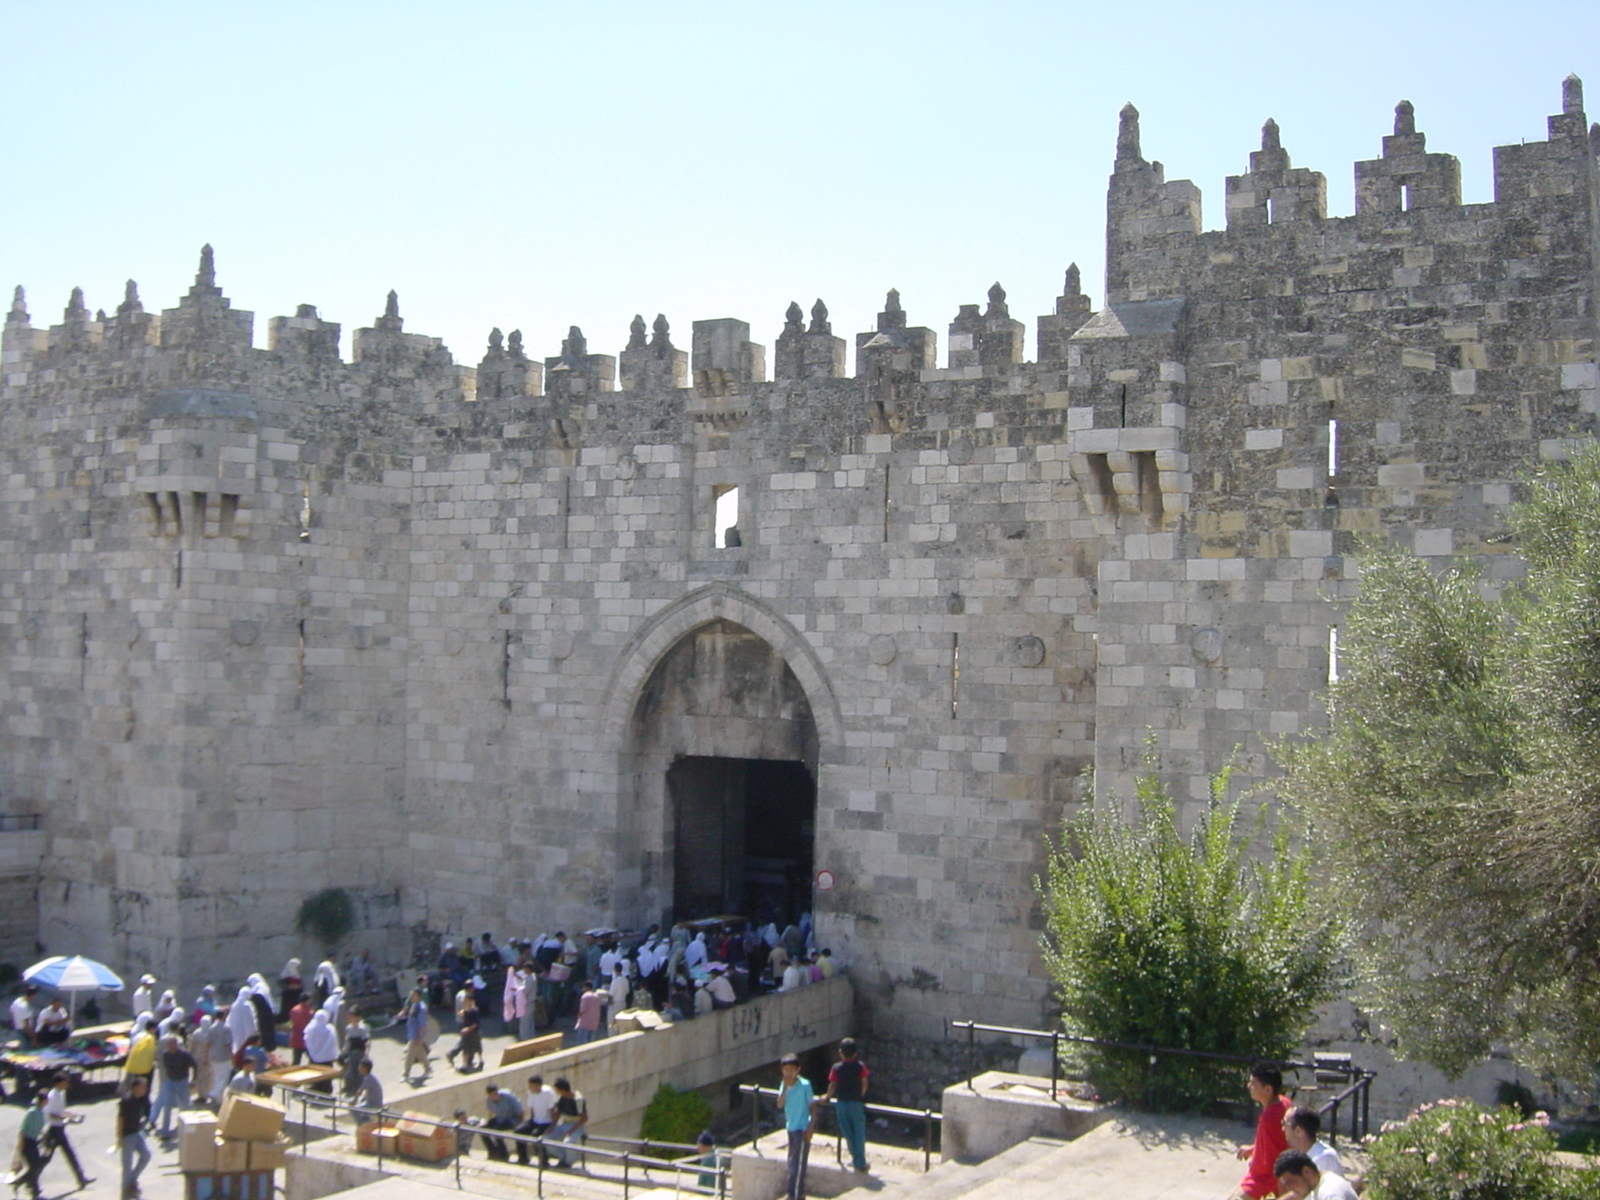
(268,1156)
(532,1048)
(250,1118)
(232,1155)
(370,1138)
(423,1138)
(197,1150)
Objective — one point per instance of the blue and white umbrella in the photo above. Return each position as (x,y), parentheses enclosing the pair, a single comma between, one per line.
(73,975)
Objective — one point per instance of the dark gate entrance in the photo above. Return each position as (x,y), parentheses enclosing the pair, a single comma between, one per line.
(743,833)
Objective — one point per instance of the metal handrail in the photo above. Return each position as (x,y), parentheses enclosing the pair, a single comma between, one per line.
(1359,1088)
(363,1115)
(927,1116)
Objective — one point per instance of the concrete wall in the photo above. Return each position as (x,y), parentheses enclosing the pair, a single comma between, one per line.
(619,1076)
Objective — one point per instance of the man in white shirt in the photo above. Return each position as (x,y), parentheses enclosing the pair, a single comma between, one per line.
(144,995)
(1298,1177)
(22,1014)
(619,990)
(722,994)
(541,1110)
(60,1116)
(792,978)
(1300,1128)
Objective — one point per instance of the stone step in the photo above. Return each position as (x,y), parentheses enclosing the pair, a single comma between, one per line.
(957,1177)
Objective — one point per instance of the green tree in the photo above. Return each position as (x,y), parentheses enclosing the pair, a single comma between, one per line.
(1194,943)
(1458,782)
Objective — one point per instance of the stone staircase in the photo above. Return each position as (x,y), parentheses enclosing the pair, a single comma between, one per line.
(1132,1157)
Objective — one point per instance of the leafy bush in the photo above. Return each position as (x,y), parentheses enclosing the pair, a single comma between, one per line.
(1192,945)
(328,915)
(675,1116)
(1455,1150)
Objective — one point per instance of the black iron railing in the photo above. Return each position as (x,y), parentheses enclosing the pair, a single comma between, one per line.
(931,1121)
(628,1161)
(1355,1097)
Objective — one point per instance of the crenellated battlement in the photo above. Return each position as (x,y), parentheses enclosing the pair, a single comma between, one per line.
(442,630)
(1156,247)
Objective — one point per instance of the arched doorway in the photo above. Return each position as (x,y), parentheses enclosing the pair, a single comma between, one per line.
(725,749)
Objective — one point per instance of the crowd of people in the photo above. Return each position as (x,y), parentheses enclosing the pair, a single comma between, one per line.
(184,1055)
(179,1056)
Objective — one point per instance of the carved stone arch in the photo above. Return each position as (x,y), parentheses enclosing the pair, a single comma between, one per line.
(673,744)
(715,601)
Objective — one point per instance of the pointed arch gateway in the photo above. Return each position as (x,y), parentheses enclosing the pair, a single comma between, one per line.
(723,717)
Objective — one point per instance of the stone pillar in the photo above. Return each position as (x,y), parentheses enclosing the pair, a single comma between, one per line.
(725,359)
(809,354)
(304,337)
(506,372)
(653,364)
(1274,192)
(1072,310)
(576,372)
(1407,177)
(1143,213)
(205,319)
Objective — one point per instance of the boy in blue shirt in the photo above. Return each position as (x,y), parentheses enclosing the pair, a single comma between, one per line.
(798,1100)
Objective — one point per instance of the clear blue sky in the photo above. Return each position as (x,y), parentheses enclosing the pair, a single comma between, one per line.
(534,165)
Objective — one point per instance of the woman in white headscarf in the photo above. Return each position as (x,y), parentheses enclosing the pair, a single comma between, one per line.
(258,984)
(221,1051)
(166,1006)
(695,955)
(335,1010)
(266,1016)
(322,1043)
(289,985)
(241,1019)
(199,1048)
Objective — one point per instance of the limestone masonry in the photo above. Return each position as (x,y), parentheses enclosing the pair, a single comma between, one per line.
(471,642)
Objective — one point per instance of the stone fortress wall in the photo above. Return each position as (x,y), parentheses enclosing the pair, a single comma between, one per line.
(273,621)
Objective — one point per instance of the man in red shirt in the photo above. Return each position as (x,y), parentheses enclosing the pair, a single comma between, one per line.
(847,1088)
(1266,1089)
(299,1018)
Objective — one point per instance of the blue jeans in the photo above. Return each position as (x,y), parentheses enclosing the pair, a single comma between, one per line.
(565,1131)
(852,1115)
(173,1096)
(134,1150)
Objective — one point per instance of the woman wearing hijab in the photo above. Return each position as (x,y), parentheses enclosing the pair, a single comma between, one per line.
(327,978)
(166,1006)
(322,1045)
(289,986)
(241,1020)
(221,1051)
(266,1019)
(695,954)
(205,1004)
(199,1047)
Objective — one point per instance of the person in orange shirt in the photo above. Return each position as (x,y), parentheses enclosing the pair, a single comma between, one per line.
(1266,1089)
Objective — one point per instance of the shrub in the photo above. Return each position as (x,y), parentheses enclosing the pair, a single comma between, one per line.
(1455,1150)
(675,1116)
(1191,944)
(328,915)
